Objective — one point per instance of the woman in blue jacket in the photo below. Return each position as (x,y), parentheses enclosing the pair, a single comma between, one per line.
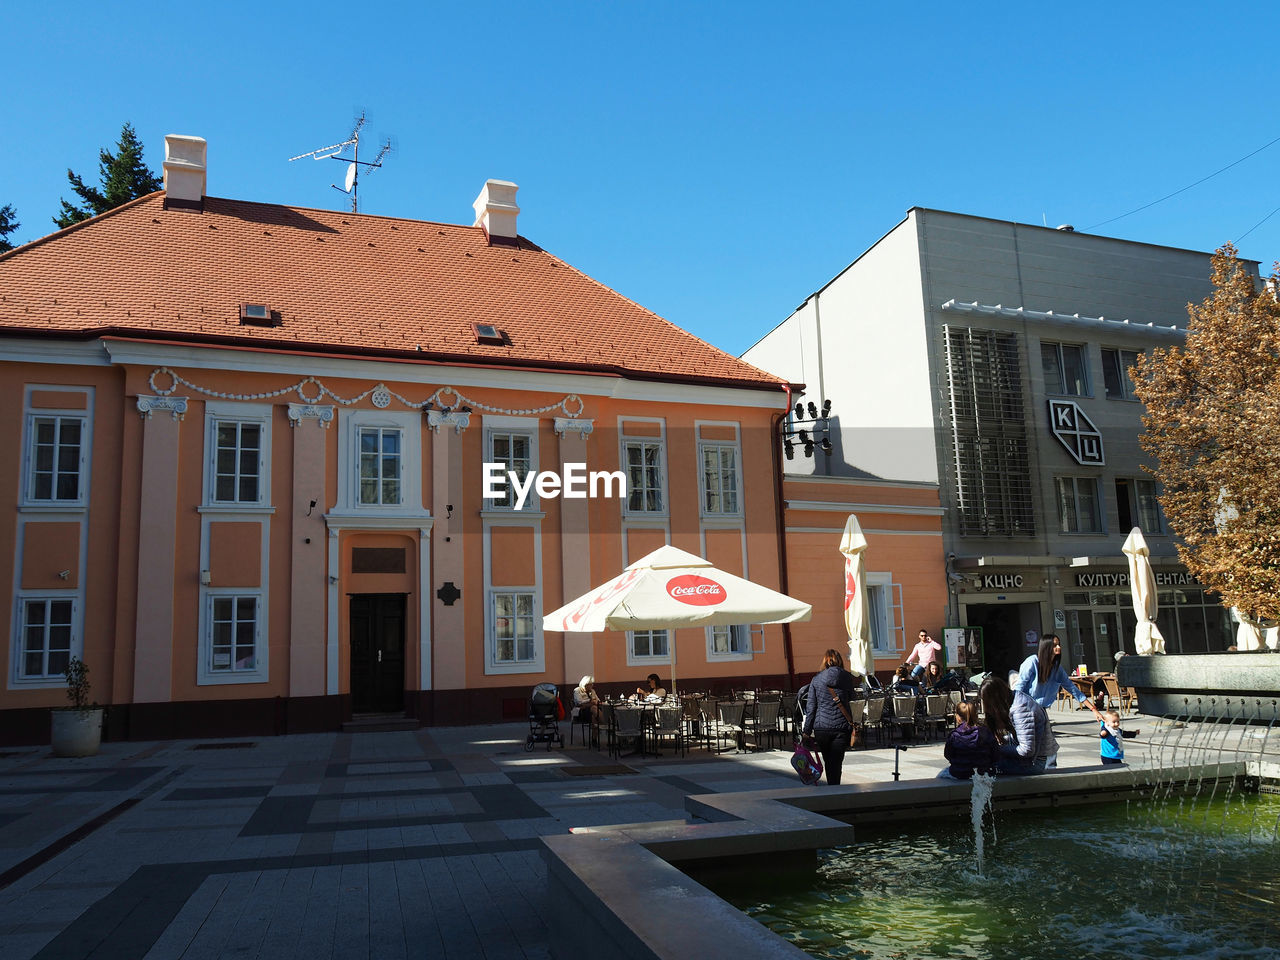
(1041,676)
(826,713)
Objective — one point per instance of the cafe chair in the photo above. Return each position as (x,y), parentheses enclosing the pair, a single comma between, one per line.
(904,716)
(668,725)
(937,713)
(608,723)
(873,718)
(729,720)
(787,713)
(762,722)
(583,717)
(709,720)
(1122,695)
(627,728)
(858,713)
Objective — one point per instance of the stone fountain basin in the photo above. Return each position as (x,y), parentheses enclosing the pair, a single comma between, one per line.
(1209,686)
(623,890)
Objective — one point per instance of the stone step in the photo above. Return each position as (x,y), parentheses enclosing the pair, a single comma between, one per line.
(380,723)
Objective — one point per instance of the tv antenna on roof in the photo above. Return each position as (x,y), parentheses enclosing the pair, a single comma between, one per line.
(351,183)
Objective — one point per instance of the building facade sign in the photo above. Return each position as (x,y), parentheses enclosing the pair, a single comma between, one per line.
(1076,432)
(1000,581)
(1121,579)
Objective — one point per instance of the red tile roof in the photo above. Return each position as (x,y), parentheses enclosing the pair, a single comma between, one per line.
(344,283)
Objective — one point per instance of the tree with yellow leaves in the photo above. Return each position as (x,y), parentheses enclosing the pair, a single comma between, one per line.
(1213,426)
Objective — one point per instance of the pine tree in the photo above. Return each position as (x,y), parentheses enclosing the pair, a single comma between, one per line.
(1213,425)
(8,224)
(123,174)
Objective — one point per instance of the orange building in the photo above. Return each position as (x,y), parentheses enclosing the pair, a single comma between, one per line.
(248,474)
(249,478)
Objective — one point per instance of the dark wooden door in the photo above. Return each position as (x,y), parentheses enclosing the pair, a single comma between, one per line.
(377,653)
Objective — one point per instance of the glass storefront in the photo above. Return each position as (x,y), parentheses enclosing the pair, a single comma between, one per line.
(1100,623)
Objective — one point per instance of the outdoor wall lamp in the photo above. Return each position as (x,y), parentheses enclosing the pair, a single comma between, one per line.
(812,431)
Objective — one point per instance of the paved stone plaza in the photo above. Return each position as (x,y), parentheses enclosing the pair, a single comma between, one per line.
(379,845)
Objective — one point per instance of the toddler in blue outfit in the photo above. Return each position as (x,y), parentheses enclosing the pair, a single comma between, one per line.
(1111,746)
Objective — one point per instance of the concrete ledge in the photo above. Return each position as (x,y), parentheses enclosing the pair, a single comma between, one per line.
(618,889)
(609,893)
(1214,686)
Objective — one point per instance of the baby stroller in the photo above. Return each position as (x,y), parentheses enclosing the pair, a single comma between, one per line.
(544,717)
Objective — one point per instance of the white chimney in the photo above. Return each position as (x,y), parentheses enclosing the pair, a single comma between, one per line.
(185,167)
(496,209)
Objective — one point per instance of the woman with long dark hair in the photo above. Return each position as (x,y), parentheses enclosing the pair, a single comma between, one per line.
(826,714)
(1020,725)
(1041,676)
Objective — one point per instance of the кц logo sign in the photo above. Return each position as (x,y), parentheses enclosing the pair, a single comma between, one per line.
(695,591)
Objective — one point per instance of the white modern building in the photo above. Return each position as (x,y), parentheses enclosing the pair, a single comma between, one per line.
(991,358)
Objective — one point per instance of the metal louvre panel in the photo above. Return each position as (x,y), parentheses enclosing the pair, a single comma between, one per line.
(989,433)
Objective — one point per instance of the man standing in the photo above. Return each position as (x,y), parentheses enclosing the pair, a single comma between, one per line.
(924,653)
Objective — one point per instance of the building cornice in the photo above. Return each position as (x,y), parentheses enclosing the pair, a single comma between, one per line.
(1022,313)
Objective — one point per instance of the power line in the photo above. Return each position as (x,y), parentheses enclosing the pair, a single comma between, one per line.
(1257,225)
(1186,188)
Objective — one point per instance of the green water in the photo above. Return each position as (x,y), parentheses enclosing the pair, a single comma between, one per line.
(1183,877)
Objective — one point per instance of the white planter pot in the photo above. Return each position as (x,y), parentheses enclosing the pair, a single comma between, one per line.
(76,733)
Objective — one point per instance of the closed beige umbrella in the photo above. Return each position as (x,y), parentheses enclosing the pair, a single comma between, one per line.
(1142,583)
(856,614)
(1249,633)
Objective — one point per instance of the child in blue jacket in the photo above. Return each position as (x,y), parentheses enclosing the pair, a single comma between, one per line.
(1111,744)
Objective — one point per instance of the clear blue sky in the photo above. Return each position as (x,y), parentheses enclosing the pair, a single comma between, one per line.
(716,162)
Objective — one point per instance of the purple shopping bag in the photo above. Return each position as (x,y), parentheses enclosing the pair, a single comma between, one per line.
(807,763)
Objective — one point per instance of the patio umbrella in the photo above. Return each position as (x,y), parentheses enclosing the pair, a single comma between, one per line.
(669,589)
(1147,638)
(854,547)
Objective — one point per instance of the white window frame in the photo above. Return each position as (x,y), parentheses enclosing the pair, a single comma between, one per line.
(1062,387)
(206,673)
(239,413)
(1099,506)
(20,678)
(410,425)
(380,456)
(1126,384)
(734,447)
(744,633)
(641,660)
(660,441)
(506,426)
(30,415)
(533,664)
(885,615)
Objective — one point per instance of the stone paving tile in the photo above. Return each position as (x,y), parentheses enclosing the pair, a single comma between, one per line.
(320,915)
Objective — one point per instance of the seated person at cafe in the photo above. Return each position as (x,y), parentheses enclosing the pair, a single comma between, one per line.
(932,676)
(586,702)
(904,683)
(653,693)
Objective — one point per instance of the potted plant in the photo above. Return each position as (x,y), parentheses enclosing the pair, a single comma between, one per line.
(77,729)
